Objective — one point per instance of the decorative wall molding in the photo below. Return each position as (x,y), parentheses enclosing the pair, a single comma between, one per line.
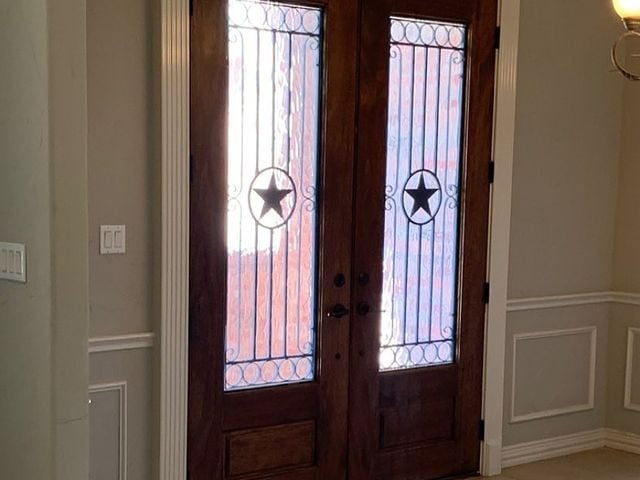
(173,341)
(589,405)
(573,300)
(558,301)
(121,388)
(629,404)
(117,343)
(569,444)
(625,298)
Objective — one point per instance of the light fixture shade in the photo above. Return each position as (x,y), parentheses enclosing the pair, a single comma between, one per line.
(627,9)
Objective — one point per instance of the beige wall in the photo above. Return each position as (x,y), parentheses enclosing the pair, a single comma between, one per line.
(567,146)
(124,162)
(43,323)
(69,235)
(626,272)
(124,188)
(26,449)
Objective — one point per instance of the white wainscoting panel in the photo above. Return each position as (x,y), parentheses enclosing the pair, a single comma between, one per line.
(117,343)
(589,402)
(629,403)
(120,420)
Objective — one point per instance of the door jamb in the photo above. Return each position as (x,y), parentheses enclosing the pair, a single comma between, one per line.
(503,150)
(173,334)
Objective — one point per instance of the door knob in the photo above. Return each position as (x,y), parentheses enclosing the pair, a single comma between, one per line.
(338,311)
(364,308)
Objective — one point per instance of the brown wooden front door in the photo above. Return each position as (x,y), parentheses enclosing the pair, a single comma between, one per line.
(421,216)
(339,210)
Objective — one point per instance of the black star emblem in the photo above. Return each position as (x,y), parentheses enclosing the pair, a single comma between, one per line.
(421,196)
(272,197)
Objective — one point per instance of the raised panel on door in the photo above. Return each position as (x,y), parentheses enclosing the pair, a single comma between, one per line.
(272,140)
(421,217)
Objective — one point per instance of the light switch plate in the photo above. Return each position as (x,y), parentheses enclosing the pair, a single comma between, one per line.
(113,239)
(13,262)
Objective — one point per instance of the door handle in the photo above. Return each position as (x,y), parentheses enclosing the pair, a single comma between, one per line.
(364,309)
(338,311)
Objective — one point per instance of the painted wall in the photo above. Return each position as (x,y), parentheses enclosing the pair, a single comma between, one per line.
(567,146)
(69,235)
(624,413)
(123,54)
(26,449)
(43,323)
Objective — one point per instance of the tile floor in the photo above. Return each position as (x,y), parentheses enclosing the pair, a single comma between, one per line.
(604,464)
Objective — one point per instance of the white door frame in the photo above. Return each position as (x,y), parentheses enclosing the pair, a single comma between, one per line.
(172,446)
(504,135)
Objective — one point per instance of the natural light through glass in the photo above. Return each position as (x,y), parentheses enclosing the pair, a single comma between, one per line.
(274,108)
(426,104)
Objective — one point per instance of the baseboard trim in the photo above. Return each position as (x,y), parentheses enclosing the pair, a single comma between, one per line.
(569,444)
(624,441)
(552,447)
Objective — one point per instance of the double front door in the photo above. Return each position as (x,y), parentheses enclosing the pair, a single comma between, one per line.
(339,209)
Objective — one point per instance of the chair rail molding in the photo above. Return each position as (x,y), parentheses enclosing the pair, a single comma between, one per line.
(118,343)
(572,300)
(173,341)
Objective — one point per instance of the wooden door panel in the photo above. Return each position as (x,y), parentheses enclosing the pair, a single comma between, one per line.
(426,420)
(270,449)
(418,463)
(240,428)
(260,408)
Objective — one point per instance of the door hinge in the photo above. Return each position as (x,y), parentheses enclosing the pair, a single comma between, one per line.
(492,171)
(481,430)
(486,292)
(498,37)
(191,168)
(191,2)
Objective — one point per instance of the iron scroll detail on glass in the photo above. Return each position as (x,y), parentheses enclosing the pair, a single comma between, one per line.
(275,54)
(424,165)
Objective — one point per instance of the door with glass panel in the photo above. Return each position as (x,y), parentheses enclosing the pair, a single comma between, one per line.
(336,282)
(421,216)
(272,144)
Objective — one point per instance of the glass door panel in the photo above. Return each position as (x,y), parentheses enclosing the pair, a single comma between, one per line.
(422,195)
(273,145)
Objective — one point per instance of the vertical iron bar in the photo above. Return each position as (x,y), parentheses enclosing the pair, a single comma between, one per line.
(286,249)
(256,269)
(446,176)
